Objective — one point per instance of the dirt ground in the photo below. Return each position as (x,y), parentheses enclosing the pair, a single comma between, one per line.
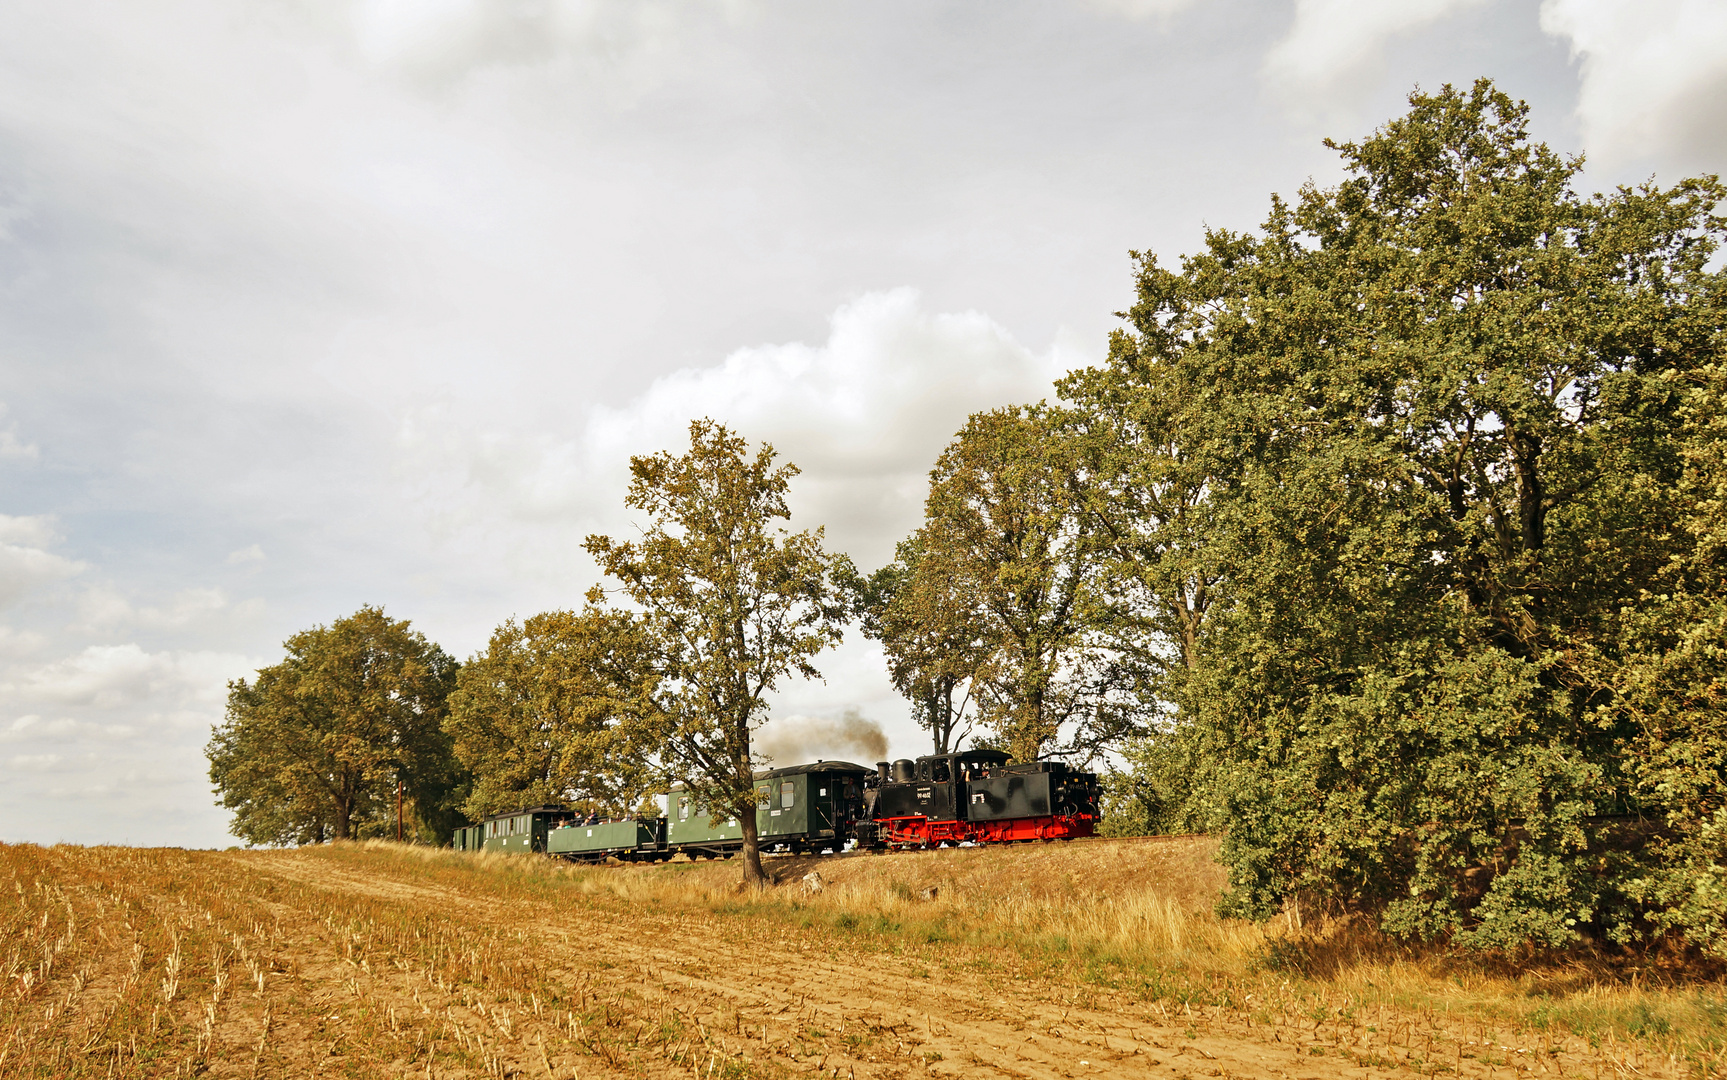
(376,962)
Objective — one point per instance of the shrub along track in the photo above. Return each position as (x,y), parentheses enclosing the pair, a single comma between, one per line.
(363,963)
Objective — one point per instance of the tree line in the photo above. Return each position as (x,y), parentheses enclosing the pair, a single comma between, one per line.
(1387,543)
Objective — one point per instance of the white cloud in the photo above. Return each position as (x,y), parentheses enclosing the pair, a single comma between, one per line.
(112,737)
(19,642)
(108,677)
(1335,49)
(1654,77)
(1141,10)
(101,607)
(24,564)
(441,39)
(863,414)
(11,446)
(37,531)
(252,554)
(34,762)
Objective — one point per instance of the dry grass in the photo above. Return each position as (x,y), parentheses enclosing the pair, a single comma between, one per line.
(1145,921)
(379,960)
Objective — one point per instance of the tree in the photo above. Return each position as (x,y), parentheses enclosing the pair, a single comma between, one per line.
(934,641)
(315,746)
(1661,667)
(1441,410)
(538,717)
(1008,543)
(731,606)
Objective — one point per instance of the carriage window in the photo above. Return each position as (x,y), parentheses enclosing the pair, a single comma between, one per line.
(787,790)
(941,772)
(923,770)
(763,799)
(683,809)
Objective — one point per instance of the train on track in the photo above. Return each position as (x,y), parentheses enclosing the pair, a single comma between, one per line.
(973,797)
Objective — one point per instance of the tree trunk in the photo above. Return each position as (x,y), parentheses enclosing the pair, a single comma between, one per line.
(754,876)
(1531,492)
(344,813)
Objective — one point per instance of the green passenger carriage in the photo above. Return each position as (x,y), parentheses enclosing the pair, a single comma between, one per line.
(801,808)
(631,838)
(519,832)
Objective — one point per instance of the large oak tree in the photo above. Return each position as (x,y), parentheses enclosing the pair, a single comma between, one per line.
(314,747)
(1460,439)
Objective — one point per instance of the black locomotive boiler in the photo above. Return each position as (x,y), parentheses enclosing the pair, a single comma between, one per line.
(976,797)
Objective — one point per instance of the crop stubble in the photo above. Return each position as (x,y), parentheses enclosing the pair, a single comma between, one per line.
(371,961)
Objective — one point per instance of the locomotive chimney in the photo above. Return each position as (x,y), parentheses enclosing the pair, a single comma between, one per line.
(881,768)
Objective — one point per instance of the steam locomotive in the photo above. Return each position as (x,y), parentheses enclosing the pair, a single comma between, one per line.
(973,797)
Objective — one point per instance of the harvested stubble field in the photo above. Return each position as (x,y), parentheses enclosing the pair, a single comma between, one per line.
(1065,960)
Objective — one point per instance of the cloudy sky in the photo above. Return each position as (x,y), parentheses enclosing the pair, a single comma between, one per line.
(308,304)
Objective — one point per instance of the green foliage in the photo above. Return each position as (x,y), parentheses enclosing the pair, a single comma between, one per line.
(314,747)
(998,591)
(1155,795)
(1004,527)
(934,639)
(730,606)
(1418,516)
(538,717)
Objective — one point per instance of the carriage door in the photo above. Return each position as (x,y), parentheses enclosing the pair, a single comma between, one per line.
(823,797)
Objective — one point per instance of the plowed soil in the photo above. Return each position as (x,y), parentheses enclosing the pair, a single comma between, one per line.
(379,962)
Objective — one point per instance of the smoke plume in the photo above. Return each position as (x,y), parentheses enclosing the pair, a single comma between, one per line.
(799,739)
